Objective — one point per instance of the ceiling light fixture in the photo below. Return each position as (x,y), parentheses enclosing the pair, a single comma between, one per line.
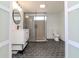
(42,6)
(27,16)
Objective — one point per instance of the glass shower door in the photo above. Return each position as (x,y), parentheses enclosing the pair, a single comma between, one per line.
(39,22)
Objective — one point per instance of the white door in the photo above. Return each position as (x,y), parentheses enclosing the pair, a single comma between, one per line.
(72,29)
(4,29)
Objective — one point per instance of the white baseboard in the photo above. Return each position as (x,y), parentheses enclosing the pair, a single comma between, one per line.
(38,40)
(50,39)
(53,39)
(41,40)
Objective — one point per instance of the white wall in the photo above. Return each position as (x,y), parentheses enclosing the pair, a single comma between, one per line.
(61,26)
(52,25)
(14,26)
(55,24)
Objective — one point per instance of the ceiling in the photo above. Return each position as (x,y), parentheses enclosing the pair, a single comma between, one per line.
(34,6)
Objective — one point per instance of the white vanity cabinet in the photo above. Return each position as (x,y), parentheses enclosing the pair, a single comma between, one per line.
(20,40)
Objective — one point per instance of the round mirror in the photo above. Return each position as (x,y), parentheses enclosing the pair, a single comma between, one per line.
(16,17)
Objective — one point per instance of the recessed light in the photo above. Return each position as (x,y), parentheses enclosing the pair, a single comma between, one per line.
(42,6)
(27,16)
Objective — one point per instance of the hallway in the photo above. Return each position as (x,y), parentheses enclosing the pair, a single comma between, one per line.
(49,49)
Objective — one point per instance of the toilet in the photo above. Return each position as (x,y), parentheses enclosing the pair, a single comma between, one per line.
(56,37)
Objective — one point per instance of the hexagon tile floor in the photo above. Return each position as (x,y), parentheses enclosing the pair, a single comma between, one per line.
(49,49)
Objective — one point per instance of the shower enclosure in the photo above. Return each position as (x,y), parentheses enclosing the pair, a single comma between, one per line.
(37,26)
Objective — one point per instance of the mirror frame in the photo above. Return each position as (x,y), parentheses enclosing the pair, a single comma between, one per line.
(13,16)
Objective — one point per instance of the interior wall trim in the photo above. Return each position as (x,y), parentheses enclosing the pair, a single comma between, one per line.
(73,8)
(66,28)
(3,43)
(4,8)
(73,43)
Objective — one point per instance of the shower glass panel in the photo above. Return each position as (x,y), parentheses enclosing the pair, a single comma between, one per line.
(36,26)
(29,24)
(39,22)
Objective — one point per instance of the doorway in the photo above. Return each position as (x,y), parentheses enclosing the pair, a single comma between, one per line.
(41,29)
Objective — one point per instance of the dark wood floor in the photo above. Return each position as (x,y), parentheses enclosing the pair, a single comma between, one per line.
(49,49)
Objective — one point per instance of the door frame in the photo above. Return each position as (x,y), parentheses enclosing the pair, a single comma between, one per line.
(66,27)
(6,42)
(69,41)
(10,29)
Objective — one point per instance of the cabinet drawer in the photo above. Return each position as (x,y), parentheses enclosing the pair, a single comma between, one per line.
(19,46)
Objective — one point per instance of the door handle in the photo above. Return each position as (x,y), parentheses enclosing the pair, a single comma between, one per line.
(36,26)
